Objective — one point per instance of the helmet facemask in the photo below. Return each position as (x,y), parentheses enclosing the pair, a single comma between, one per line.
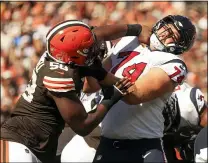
(98,50)
(185,29)
(175,46)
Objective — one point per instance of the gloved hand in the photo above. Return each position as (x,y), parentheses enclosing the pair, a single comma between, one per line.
(114,93)
(95,70)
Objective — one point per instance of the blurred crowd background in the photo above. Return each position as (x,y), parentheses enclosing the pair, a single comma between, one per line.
(25,24)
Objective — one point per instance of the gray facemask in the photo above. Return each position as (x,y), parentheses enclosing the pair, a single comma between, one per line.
(154,42)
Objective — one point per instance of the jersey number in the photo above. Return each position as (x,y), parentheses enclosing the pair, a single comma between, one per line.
(54,65)
(134,71)
(177,72)
(30,89)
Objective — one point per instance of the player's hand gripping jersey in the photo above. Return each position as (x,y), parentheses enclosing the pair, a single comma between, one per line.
(37,108)
(132,59)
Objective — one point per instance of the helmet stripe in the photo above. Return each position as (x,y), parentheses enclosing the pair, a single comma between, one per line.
(56,28)
(109,45)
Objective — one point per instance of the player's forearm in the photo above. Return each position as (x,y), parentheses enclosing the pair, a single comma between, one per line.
(91,85)
(156,83)
(93,120)
(112,32)
(134,98)
(144,94)
(109,80)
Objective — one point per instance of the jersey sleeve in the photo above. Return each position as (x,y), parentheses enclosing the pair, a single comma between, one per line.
(197,98)
(56,84)
(59,80)
(124,45)
(176,70)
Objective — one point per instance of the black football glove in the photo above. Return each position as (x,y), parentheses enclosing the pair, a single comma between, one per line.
(95,70)
(114,93)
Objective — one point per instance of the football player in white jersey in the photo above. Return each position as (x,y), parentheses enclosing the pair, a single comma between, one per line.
(132,131)
(185,114)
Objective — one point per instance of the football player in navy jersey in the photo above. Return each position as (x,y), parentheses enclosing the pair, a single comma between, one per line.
(51,97)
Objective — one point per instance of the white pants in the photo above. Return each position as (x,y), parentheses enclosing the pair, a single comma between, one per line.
(77,150)
(16,152)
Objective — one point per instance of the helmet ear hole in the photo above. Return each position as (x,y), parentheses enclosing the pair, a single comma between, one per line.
(62,39)
(172,49)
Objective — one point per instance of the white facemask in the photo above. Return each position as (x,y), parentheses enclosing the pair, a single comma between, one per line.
(154,42)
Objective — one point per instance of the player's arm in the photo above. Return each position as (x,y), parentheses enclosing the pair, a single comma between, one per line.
(92,85)
(105,33)
(74,114)
(112,32)
(152,85)
(204,117)
(156,83)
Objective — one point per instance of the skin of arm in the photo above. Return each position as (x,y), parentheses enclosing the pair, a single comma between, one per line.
(113,32)
(74,114)
(150,86)
(91,85)
(204,118)
(110,32)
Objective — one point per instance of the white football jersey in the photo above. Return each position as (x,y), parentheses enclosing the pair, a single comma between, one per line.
(145,120)
(189,103)
(90,100)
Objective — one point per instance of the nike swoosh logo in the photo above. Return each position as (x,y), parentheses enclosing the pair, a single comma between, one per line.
(187,136)
(60,72)
(146,155)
